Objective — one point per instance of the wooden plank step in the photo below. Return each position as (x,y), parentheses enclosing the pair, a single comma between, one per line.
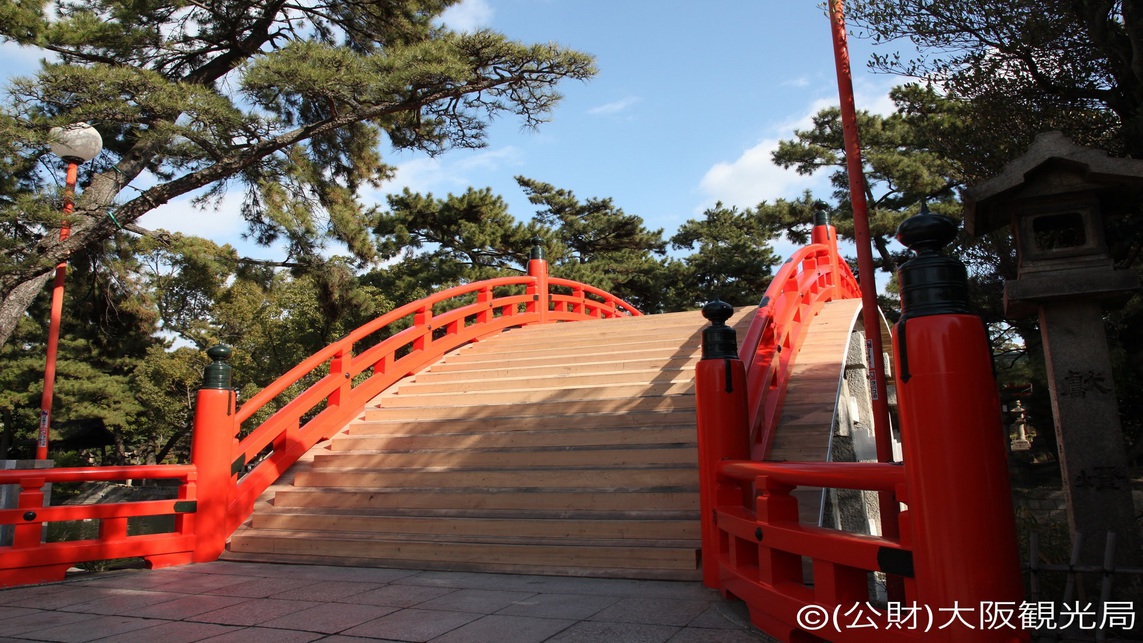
(326,545)
(630,478)
(591,346)
(465,360)
(542,407)
(606,328)
(694,575)
(386,498)
(566,334)
(471,528)
(681,320)
(530,396)
(444,371)
(682,417)
(485,382)
(515,458)
(516,439)
(649,546)
(504,514)
(807,415)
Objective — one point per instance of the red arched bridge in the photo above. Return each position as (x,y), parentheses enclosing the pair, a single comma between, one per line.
(470,431)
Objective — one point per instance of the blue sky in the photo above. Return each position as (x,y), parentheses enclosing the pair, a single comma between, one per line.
(689,101)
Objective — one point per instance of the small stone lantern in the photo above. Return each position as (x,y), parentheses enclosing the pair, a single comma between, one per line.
(1054,198)
(1019,433)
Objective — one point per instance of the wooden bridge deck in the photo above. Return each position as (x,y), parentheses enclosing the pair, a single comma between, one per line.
(563,449)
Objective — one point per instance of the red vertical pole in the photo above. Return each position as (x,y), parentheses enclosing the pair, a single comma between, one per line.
(962,524)
(723,427)
(56,315)
(538,268)
(871,318)
(212,452)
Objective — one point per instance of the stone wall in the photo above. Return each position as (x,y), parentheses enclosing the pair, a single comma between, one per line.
(1047,505)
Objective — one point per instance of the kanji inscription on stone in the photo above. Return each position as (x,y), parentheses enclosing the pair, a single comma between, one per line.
(1079,383)
(1100,478)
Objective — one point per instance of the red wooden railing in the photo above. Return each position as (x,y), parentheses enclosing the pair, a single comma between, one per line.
(956,554)
(812,276)
(30,560)
(217,492)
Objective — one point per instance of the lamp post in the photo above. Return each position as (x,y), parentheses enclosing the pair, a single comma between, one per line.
(75,144)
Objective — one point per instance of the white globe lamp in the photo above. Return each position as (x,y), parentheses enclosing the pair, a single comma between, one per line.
(78,142)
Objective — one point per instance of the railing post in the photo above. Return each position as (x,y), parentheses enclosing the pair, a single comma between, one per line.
(339,365)
(538,268)
(826,234)
(484,299)
(423,317)
(212,452)
(960,503)
(31,499)
(720,396)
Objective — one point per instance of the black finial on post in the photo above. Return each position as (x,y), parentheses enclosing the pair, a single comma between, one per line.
(719,341)
(931,284)
(217,373)
(821,213)
(537,249)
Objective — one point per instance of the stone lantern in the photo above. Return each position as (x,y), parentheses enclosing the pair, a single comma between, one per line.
(1055,198)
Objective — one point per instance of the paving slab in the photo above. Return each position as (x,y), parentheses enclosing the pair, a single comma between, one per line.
(413,625)
(124,602)
(81,631)
(398,595)
(329,618)
(496,628)
(172,632)
(479,601)
(573,606)
(185,607)
(253,612)
(252,602)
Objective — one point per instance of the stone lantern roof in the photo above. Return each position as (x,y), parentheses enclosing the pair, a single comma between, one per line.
(1052,166)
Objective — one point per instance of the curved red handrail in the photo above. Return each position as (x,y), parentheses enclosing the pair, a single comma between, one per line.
(811,277)
(344,379)
(586,300)
(354,379)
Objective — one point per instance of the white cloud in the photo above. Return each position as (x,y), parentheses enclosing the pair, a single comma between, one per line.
(614,107)
(753,177)
(453,172)
(800,81)
(221,225)
(874,102)
(468,16)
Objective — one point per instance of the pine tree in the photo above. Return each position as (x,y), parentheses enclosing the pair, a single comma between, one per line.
(290,103)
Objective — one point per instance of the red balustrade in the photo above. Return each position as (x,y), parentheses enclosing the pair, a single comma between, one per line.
(30,560)
(811,277)
(218,490)
(956,551)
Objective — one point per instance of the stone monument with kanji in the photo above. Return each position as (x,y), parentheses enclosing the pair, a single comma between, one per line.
(1055,199)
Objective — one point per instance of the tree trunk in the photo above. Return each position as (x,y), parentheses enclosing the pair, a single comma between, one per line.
(7,435)
(13,306)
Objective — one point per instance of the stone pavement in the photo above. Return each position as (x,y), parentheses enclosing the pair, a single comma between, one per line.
(253,602)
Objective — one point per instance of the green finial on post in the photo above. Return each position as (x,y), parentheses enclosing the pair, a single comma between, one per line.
(217,373)
(537,249)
